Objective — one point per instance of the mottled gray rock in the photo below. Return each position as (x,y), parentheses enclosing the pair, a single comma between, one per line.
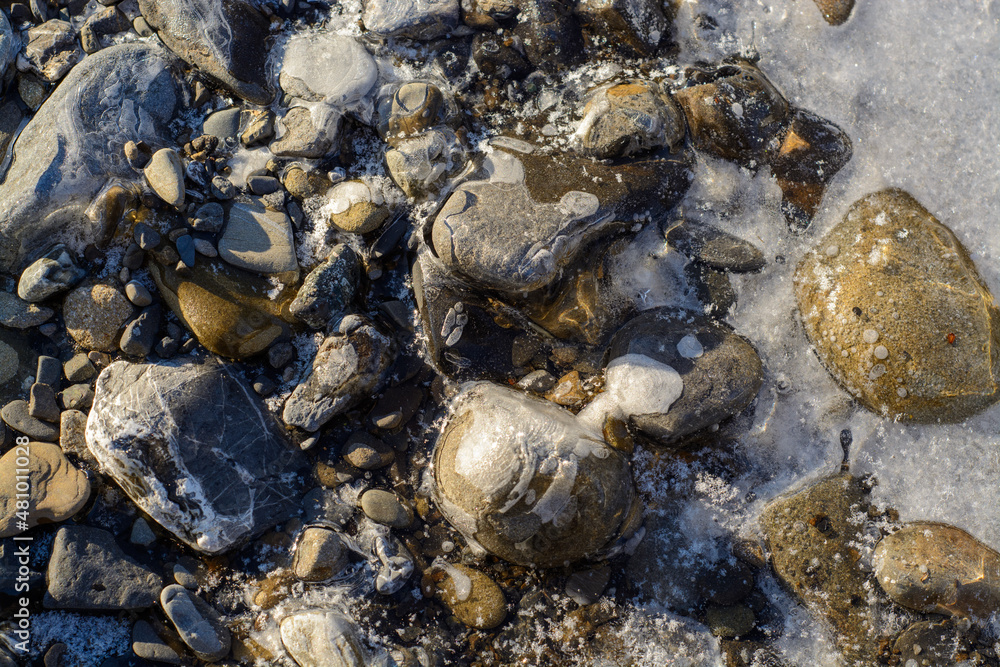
(48,275)
(225,39)
(418,165)
(100,24)
(52,49)
(209,218)
(199,431)
(322,639)
(198,623)
(8,44)
(258,239)
(349,367)
(140,335)
(88,570)
(224,124)
(42,402)
(416,19)
(328,289)
(18,314)
(141,534)
(79,368)
(524,479)
(301,136)
(385,508)
(367,452)
(95,313)
(74,145)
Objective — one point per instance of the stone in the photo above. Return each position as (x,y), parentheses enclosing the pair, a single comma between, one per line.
(319,554)
(932,354)
(205,247)
(48,371)
(100,24)
(147,237)
(223,124)
(935,568)
(72,435)
(128,90)
(638,25)
(260,128)
(474,598)
(51,274)
(732,621)
(199,429)
(138,294)
(78,397)
(812,535)
(326,67)
(586,586)
(719,370)
(263,185)
(58,489)
(147,645)
(95,313)
(349,367)
(367,452)
(328,290)
(539,381)
(835,12)
(16,313)
(396,407)
(137,155)
(16,415)
(141,534)
(304,183)
(715,248)
(52,49)
(228,43)
(79,368)
(628,118)
(529,483)
(165,175)
(411,109)
(199,625)
(550,34)
(496,58)
(356,207)
(9,362)
(300,137)
(258,239)
(415,19)
(322,639)
(385,508)
(8,44)
(222,188)
(519,228)
(140,335)
(926,643)
(42,402)
(88,570)
(417,165)
(209,218)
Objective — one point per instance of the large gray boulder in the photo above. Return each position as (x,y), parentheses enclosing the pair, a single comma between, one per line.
(75,145)
(194,447)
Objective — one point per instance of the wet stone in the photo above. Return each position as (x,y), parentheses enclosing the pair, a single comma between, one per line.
(929,644)
(732,621)
(628,118)
(58,489)
(319,554)
(586,586)
(415,19)
(52,49)
(197,623)
(384,507)
(639,25)
(329,68)
(715,248)
(835,12)
(328,289)
(356,207)
(474,598)
(301,138)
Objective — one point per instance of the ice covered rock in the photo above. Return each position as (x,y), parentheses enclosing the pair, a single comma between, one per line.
(931,643)
(935,568)
(193,446)
(419,164)
(322,639)
(638,25)
(226,39)
(58,489)
(623,119)
(350,366)
(329,68)
(307,133)
(328,289)
(522,478)
(714,248)
(74,145)
(898,313)
(357,207)
(472,597)
(416,19)
(412,108)
(516,229)
(549,32)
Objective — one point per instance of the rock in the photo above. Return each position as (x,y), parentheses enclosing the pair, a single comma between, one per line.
(42,402)
(138,294)
(88,570)
(719,373)
(263,185)
(147,645)
(16,415)
(166,176)
(301,137)
(140,335)
(163,431)
(9,362)
(474,599)
(52,49)
(585,587)
(15,313)
(58,489)
(322,639)
(356,207)
(325,67)
(624,119)
(209,218)
(72,434)
(732,621)
(539,381)
(260,128)
(385,508)
(349,367)
(411,109)
(197,623)
(931,644)
(228,43)
(79,368)
(550,33)
(396,407)
(304,183)
(367,452)
(8,44)
(529,483)
(258,239)
(223,124)
(415,19)
(328,290)
(100,24)
(638,25)
(496,58)
(95,314)
(715,248)
(231,312)
(924,345)
(417,165)
(39,202)
(518,229)
(53,273)
(835,11)
(736,114)
(812,536)
(319,554)
(48,371)
(935,568)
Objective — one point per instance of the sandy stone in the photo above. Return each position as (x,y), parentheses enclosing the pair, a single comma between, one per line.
(95,314)
(58,488)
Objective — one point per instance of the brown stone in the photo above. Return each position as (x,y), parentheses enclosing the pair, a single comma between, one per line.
(835,12)
(95,314)
(472,597)
(57,488)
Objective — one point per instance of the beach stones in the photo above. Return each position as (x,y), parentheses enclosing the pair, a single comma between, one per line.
(935,568)
(629,118)
(320,554)
(165,175)
(322,639)
(523,479)
(258,239)
(58,490)
(637,25)
(472,597)
(52,49)
(95,314)
(198,623)
(55,272)
(199,429)
(898,313)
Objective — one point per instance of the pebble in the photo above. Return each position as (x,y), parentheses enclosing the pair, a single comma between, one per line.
(197,623)
(322,638)
(474,598)
(138,294)
(224,124)
(586,586)
(385,508)
(58,489)
(95,314)
(77,397)
(142,535)
(16,313)
(42,402)
(367,452)
(258,239)
(148,645)
(263,185)
(54,273)
(79,368)
(49,371)
(16,415)
(319,554)
(72,435)
(165,175)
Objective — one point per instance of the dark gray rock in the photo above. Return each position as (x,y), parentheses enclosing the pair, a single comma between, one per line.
(48,275)
(194,447)
(52,49)
(328,289)
(416,19)
(88,570)
(74,145)
(636,26)
(148,645)
(42,403)
(301,136)
(550,33)
(226,40)
(49,371)
(16,313)
(140,335)
(79,368)
(198,623)
(100,24)
(16,415)
(715,248)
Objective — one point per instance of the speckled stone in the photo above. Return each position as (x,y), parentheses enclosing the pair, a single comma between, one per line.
(95,314)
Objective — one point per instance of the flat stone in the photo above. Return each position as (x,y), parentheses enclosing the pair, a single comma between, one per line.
(58,489)
(416,19)
(319,554)
(300,137)
(197,428)
(927,294)
(329,288)
(72,435)
(16,313)
(147,645)
(42,403)
(224,124)
(94,314)
(165,174)
(198,623)
(384,507)
(472,597)
(258,239)
(88,570)
(55,272)
(322,639)
(16,415)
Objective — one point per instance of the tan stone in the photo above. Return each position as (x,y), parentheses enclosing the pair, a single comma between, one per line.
(472,597)
(898,313)
(95,314)
(57,488)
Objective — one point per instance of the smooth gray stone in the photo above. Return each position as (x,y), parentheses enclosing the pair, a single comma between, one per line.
(197,623)
(325,638)
(258,239)
(147,644)
(17,313)
(224,124)
(55,272)
(15,414)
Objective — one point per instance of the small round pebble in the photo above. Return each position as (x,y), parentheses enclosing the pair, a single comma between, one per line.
(881,352)
(384,507)
(138,294)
